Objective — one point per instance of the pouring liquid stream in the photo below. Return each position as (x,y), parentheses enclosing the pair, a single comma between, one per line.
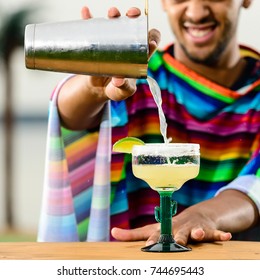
(156,92)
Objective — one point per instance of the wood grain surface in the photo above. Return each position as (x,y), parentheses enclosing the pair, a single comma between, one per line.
(231,250)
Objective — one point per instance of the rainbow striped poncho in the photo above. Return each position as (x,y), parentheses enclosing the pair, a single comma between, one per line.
(88,189)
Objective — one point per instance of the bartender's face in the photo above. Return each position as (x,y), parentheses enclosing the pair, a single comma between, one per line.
(204,29)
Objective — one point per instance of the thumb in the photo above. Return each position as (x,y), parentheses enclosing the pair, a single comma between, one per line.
(128,234)
(149,232)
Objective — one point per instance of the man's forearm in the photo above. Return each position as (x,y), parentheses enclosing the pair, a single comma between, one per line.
(79,106)
(235,211)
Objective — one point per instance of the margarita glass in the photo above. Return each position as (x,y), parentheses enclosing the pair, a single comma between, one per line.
(166,167)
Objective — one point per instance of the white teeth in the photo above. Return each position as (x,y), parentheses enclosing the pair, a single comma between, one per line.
(198,33)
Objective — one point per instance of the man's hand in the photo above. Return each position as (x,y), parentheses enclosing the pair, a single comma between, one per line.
(191,225)
(82,98)
(208,221)
(121,88)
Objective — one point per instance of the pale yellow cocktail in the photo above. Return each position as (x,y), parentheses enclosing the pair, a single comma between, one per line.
(166,176)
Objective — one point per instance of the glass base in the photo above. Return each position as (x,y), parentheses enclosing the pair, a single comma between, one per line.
(165,247)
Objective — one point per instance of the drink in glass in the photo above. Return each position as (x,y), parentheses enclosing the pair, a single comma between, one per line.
(166,167)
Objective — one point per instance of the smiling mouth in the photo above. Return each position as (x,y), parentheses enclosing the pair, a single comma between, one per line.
(200,31)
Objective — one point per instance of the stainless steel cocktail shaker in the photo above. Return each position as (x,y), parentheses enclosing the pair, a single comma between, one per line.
(97,46)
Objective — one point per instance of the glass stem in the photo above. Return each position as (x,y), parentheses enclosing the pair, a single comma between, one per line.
(164,214)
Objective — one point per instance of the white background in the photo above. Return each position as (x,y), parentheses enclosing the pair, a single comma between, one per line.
(48,269)
(33,88)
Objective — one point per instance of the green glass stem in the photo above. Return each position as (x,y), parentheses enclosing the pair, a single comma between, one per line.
(164,214)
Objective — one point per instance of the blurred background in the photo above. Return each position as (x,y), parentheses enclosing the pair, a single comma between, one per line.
(24,97)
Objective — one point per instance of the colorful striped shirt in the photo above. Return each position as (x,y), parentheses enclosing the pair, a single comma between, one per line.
(88,189)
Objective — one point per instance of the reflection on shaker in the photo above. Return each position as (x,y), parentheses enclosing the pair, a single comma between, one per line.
(97,46)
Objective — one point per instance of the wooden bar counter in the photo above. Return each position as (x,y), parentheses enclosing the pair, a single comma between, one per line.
(231,250)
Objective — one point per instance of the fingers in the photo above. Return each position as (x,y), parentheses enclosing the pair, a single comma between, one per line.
(221,235)
(113,12)
(198,234)
(121,234)
(153,238)
(182,237)
(85,13)
(154,39)
(133,12)
(128,235)
(120,88)
(150,233)
(154,34)
(118,82)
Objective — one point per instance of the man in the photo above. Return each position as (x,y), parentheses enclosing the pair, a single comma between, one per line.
(210,91)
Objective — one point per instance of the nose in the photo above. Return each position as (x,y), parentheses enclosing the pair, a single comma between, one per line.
(197,10)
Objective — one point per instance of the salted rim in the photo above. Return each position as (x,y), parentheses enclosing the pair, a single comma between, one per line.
(175,149)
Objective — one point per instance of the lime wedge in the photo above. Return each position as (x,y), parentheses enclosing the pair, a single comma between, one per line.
(125,145)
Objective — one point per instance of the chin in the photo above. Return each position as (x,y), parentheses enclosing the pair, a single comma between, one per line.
(202,57)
